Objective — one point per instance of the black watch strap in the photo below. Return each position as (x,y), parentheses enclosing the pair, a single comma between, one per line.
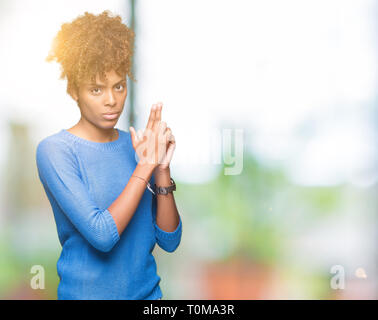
(165,190)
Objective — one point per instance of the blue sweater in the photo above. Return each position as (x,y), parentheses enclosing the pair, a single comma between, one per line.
(82,179)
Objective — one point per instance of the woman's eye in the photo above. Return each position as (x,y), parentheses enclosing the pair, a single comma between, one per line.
(119,87)
(95,90)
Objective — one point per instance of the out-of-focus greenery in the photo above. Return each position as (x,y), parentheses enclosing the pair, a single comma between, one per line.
(15,275)
(250,215)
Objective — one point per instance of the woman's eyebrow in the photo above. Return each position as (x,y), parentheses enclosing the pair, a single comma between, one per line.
(120,81)
(102,85)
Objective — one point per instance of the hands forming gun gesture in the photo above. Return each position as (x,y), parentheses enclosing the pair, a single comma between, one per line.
(156,144)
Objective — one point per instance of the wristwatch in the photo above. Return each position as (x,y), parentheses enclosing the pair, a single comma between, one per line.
(165,190)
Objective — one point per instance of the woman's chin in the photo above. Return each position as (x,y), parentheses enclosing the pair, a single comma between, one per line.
(109,124)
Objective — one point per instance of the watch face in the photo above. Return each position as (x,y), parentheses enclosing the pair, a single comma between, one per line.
(163,191)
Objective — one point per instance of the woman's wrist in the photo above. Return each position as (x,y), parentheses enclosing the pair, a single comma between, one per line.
(162,176)
(159,170)
(144,170)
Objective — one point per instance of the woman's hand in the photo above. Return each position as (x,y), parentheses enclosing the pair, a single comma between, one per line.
(154,146)
(170,142)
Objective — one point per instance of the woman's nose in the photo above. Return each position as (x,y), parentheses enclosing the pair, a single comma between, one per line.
(110,100)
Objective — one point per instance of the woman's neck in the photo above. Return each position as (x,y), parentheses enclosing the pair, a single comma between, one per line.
(92,133)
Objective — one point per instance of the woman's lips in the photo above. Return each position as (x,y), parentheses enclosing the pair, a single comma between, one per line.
(111,116)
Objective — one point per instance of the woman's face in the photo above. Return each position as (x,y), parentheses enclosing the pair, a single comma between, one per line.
(102,103)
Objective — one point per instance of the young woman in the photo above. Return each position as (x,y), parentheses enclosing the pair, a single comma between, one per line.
(110,190)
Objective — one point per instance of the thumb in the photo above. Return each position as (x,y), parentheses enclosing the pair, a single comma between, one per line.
(170,150)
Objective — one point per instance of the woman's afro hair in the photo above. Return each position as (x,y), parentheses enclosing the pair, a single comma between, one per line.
(91,45)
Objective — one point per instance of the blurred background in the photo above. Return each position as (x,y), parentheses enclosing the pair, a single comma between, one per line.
(274,108)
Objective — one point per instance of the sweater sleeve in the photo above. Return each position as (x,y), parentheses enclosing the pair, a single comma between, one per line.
(168,241)
(59,174)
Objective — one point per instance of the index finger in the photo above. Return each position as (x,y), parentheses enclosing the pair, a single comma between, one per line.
(159,106)
(151,119)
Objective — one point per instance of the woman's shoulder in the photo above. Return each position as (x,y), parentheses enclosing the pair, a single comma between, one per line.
(54,145)
(55,139)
